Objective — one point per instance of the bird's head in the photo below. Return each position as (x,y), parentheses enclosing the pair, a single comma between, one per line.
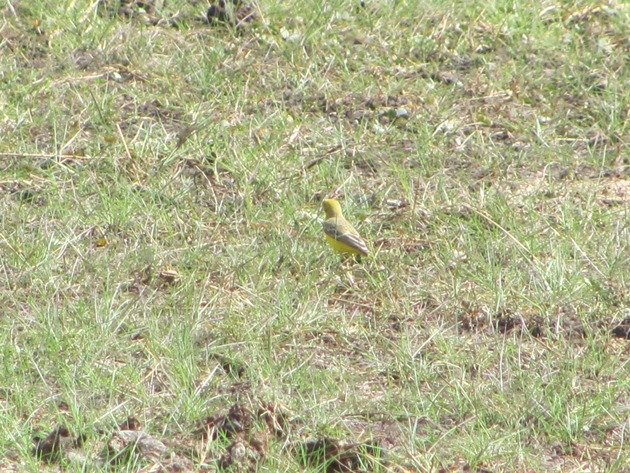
(332,208)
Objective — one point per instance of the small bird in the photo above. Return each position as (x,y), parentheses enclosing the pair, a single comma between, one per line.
(341,236)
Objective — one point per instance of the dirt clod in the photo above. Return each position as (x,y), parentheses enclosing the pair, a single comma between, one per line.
(622,330)
(131,423)
(125,443)
(244,454)
(50,448)
(238,420)
(235,12)
(277,419)
(337,456)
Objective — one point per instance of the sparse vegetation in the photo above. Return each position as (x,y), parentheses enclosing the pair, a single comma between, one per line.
(167,295)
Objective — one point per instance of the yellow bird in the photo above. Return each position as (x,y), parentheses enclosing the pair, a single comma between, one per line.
(341,236)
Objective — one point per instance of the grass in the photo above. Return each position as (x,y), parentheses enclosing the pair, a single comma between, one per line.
(162,255)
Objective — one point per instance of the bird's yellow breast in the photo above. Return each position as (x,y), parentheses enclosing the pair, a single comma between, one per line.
(341,247)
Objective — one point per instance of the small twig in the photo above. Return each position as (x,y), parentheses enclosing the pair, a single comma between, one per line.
(184,134)
(122,137)
(313,162)
(319,159)
(415,195)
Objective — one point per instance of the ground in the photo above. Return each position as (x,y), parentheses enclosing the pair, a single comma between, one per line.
(169,302)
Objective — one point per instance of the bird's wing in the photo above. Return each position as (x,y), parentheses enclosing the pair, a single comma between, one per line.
(345,234)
